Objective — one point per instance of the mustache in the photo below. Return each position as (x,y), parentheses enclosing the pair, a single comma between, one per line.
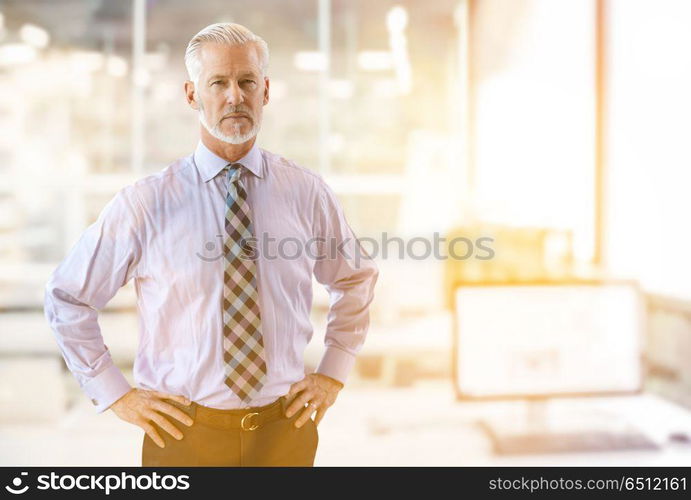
(237,110)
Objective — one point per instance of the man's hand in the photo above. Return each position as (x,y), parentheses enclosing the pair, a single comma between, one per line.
(140,407)
(316,389)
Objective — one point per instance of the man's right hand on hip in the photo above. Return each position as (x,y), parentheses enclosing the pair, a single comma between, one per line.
(142,407)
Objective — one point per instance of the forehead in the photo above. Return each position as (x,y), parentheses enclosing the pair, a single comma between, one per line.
(216,58)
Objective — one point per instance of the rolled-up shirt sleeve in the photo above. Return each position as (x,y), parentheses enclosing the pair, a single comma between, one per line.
(349,275)
(106,256)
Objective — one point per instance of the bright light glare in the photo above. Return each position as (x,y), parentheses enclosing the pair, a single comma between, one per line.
(396,19)
(117,66)
(86,62)
(341,89)
(16,53)
(310,61)
(375,60)
(34,35)
(534,107)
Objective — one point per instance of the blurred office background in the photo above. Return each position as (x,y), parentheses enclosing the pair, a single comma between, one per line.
(559,128)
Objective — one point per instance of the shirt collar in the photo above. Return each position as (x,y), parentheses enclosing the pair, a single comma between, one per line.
(209,164)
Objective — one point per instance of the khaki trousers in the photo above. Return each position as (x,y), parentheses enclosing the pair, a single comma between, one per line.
(215,439)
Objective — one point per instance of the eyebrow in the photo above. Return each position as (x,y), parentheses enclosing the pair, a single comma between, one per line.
(242,75)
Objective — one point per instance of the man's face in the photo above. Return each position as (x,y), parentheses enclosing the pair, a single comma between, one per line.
(231,92)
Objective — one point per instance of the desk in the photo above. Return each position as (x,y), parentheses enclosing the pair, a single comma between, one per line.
(425,425)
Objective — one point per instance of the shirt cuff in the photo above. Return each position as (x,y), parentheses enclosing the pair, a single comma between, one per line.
(336,363)
(106,388)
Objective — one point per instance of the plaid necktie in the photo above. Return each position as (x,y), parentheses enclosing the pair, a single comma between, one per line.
(243,347)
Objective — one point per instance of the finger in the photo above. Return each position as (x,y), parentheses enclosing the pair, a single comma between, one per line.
(304,416)
(164,424)
(298,386)
(180,399)
(299,402)
(320,414)
(153,434)
(173,412)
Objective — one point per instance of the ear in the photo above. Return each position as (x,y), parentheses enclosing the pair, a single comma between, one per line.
(266,90)
(191,95)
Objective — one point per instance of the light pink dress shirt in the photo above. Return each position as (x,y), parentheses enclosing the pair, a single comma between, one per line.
(166,232)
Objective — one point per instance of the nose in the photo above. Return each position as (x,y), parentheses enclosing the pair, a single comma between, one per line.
(234,95)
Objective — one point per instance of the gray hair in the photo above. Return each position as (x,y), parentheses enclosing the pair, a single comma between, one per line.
(226,33)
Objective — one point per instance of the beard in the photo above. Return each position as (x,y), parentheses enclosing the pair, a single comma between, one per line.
(237,137)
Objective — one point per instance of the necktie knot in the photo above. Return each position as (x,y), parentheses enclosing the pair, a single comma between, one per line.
(234,171)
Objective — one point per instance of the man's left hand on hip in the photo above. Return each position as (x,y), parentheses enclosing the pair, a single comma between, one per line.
(316,390)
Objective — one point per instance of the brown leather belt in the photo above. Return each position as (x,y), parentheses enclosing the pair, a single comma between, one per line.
(248,419)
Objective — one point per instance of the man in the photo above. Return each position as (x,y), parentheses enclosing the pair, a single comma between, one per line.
(222,327)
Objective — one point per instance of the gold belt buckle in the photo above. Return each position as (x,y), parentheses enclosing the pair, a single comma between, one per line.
(246,421)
